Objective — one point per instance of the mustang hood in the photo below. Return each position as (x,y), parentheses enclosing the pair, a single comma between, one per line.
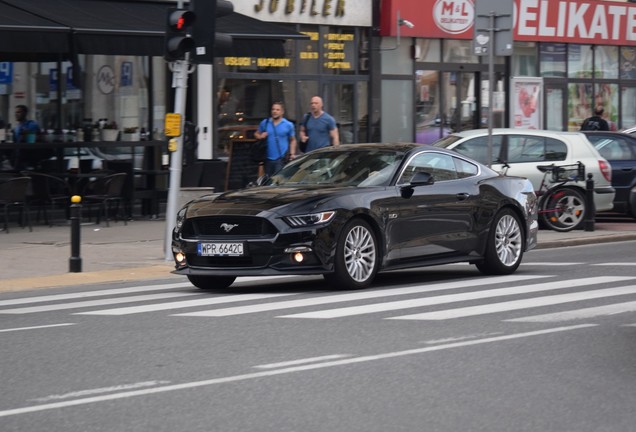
(255,200)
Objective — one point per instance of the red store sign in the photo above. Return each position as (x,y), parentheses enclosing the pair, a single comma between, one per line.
(572,21)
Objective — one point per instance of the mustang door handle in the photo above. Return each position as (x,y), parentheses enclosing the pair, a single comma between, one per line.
(462,196)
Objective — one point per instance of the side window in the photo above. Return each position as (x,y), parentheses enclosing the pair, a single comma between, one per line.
(555,150)
(525,148)
(440,166)
(464,168)
(477,148)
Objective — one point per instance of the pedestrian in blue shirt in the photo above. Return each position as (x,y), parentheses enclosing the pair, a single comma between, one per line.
(318,128)
(24,127)
(281,139)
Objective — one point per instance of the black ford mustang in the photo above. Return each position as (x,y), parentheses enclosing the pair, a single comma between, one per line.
(351,211)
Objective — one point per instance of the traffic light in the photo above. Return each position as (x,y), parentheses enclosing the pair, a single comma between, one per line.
(179,40)
(209,42)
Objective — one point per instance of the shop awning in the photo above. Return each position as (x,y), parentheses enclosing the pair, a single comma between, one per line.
(29,28)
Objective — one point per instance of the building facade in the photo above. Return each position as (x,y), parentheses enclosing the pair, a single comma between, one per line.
(568,57)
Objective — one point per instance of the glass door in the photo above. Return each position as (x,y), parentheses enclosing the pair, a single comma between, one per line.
(460,101)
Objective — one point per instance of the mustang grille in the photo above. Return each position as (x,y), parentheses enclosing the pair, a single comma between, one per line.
(227,226)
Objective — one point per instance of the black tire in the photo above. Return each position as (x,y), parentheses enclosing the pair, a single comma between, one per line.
(505,245)
(357,257)
(564,209)
(211,282)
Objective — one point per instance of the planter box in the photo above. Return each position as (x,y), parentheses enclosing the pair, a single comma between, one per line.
(109,134)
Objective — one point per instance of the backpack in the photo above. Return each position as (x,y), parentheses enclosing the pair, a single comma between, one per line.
(303,145)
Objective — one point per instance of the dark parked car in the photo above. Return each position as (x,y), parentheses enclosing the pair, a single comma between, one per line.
(351,211)
(620,151)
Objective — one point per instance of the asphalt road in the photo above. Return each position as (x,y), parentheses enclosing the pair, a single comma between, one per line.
(437,349)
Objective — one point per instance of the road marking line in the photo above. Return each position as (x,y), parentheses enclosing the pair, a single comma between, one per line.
(301,361)
(585,313)
(293,369)
(454,298)
(92,303)
(551,264)
(129,290)
(617,264)
(84,294)
(519,304)
(182,304)
(36,327)
(240,310)
(82,393)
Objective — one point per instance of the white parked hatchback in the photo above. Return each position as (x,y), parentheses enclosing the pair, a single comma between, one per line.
(524,149)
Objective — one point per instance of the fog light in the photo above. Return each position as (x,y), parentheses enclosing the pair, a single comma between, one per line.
(298,257)
(179,257)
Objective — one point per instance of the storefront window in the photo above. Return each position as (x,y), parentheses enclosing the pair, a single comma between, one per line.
(339,50)
(428,50)
(606,62)
(628,62)
(524,60)
(606,96)
(552,59)
(428,120)
(628,107)
(580,100)
(309,51)
(260,64)
(580,61)
(243,103)
(459,51)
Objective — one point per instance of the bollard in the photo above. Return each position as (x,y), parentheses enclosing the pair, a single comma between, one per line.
(75,261)
(588,224)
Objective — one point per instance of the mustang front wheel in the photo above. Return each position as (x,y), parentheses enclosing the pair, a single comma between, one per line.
(357,257)
(504,248)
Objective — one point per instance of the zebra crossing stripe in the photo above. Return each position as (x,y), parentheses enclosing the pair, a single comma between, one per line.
(338,298)
(182,304)
(519,304)
(585,313)
(98,293)
(92,303)
(453,298)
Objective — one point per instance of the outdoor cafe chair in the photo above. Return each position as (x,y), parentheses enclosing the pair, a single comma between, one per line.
(14,194)
(48,192)
(106,192)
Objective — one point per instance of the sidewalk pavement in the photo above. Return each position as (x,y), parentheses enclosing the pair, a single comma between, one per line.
(122,253)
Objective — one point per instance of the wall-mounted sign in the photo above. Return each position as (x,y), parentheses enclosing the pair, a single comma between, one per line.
(172,125)
(126,77)
(106,79)
(6,72)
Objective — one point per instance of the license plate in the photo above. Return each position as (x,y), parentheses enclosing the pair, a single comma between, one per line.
(220,249)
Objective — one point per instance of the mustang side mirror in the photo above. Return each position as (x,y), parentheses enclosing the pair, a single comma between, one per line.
(419,179)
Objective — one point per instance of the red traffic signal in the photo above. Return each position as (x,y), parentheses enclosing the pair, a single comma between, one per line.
(178,38)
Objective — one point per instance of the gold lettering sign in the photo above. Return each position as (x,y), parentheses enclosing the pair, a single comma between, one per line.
(312,7)
(237,61)
(272,62)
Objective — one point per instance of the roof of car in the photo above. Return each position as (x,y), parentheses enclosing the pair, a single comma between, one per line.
(503,131)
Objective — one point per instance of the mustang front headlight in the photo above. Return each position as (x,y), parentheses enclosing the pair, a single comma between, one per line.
(180,218)
(309,219)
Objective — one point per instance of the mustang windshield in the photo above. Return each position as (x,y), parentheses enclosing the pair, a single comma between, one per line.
(353,168)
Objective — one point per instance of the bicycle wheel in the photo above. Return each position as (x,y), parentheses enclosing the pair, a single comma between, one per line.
(563,209)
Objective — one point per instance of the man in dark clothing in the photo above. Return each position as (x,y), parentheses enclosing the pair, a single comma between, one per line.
(596,122)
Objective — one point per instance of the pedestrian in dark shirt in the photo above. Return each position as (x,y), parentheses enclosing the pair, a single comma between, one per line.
(596,122)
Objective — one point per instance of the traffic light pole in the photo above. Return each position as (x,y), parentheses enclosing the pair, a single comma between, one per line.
(180,71)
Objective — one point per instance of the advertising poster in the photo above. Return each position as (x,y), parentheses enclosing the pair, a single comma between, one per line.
(526,104)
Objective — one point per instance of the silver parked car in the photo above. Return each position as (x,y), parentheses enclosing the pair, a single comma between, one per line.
(522,150)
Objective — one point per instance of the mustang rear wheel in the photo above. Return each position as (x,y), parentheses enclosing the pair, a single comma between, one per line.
(357,257)
(504,248)
(211,282)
